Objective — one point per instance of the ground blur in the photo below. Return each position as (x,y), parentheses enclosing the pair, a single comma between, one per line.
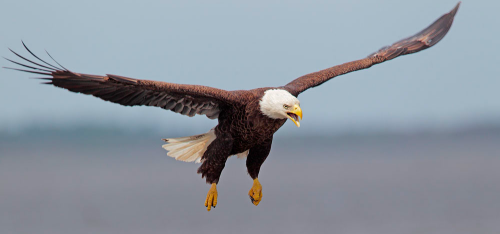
(94,180)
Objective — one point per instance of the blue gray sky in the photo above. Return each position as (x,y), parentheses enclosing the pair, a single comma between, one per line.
(243,45)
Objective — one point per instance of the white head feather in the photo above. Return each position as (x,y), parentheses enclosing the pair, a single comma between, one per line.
(273,101)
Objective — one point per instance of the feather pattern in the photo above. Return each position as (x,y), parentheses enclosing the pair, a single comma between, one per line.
(187,100)
(420,41)
(189,149)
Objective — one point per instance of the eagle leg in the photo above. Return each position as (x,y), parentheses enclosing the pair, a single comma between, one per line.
(214,160)
(255,192)
(211,200)
(256,156)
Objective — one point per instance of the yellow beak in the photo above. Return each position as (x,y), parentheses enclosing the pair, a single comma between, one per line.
(294,114)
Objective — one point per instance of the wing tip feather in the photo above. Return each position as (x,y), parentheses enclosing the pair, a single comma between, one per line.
(49,68)
(454,11)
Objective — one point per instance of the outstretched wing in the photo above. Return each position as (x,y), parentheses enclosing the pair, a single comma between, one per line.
(420,41)
(184,99)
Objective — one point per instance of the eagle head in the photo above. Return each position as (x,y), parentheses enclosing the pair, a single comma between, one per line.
(280,104)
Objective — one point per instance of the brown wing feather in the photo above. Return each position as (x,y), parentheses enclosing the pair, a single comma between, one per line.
(420,41)
(184,99)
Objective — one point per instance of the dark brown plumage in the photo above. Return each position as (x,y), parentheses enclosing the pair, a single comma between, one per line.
(244,123)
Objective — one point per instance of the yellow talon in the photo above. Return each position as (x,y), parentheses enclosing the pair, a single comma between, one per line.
(211,200)
(255,192)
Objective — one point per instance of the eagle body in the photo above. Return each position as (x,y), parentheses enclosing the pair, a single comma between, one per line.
(247,119)
(242,128)
(247,124)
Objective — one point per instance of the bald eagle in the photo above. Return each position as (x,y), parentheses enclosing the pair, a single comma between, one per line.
(247,119)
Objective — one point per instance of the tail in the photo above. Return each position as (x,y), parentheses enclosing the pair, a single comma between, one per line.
(189,149)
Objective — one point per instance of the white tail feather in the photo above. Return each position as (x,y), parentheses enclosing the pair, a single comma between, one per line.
(189,149)
(243,154)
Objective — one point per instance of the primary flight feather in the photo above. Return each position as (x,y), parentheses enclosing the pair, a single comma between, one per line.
(247,119)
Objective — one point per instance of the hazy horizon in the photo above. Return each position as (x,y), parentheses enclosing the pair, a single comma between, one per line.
(101,181)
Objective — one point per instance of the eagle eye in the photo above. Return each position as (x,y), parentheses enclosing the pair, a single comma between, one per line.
(285,106)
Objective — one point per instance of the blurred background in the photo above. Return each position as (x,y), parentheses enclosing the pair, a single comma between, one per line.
(407,146)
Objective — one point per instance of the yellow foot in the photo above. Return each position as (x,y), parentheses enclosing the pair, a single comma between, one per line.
(255,192)
(211,200)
